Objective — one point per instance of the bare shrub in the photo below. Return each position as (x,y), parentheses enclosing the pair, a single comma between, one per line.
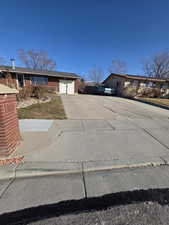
(39,92)
(24,93)
(149,92)
(130,92)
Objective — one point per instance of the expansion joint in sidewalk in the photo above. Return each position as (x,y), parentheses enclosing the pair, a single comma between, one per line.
(84,181)
(10,182)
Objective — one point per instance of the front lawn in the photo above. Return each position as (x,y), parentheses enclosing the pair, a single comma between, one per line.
(160,101)
(49,110)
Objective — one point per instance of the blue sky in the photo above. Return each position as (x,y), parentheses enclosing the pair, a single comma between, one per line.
(80,35)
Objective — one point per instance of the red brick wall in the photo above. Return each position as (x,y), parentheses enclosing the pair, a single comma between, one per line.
(3,81)
(77,85)
(14,80)
(9,127)
(27,81)
(9,80)
(53,82)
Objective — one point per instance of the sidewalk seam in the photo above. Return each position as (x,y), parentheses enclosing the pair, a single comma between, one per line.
(9,184)
(84,181)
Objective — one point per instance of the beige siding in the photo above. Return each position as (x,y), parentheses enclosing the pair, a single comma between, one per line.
(127,83)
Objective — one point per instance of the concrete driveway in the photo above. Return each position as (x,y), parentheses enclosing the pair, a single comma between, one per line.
(102,131)
(107,107)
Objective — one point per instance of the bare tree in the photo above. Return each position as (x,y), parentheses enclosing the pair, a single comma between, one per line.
(96,75)
(158,66)
(37,60)
(118,66)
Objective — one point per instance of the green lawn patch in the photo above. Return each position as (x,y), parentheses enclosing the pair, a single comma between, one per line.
(49,110)
(160,101)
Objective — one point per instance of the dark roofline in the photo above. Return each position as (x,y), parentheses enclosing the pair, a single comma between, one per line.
(38,72)
(136,77)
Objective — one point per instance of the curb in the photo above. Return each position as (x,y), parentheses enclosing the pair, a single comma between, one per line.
(40,173)
(151,103)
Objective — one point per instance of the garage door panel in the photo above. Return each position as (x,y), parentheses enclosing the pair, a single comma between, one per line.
(70,89)
(66,87)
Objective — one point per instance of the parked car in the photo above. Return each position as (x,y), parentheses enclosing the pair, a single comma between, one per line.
(106,90)
(99,90)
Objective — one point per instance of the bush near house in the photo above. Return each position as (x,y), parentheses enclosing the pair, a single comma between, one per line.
(32,91)
(24,93)
(149,92)
(132,92)
(39,92)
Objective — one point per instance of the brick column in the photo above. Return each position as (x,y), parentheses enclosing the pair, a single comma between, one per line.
(9,127)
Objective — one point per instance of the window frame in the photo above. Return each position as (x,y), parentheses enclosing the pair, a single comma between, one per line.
(39,80)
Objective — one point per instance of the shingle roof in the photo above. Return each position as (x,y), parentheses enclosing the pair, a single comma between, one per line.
(38,72)
(136,77)
(7,90)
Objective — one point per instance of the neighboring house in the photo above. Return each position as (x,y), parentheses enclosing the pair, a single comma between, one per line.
(18,77)
(122,81)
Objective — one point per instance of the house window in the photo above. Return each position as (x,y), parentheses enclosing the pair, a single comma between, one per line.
(39,80)
(165,86)
(135,83)
(150,84)
(2,75)
(27,77)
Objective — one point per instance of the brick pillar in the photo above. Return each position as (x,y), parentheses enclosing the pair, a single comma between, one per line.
(9,126)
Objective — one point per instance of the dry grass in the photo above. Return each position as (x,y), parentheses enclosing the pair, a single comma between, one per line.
(161,101)
(49,110)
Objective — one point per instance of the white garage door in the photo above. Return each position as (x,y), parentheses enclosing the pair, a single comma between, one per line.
(66,87)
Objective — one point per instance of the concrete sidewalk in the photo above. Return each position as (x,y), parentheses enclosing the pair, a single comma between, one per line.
(31,192)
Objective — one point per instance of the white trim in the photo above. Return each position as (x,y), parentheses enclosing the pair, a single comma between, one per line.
(67,86)
(18,80)
(17,83)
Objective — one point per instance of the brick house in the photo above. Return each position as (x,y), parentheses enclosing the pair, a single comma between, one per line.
(122,81)
(18,77)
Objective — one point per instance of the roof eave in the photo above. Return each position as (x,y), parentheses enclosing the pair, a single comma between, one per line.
(41,74)
(136,78)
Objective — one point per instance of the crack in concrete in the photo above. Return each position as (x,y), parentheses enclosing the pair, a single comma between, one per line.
(83,125)
(146,131)
(163,160)
(109,109)
(110,125)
